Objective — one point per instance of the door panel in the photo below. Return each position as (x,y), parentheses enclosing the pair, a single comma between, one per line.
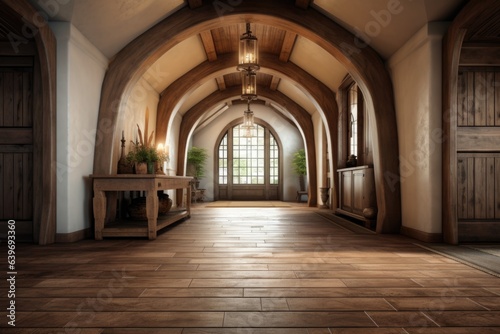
(478,155)
(16,150)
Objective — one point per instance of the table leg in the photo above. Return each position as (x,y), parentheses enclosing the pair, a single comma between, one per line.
(152,213)
(99,213)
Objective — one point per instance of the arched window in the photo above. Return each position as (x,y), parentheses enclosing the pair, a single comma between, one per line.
(248,167)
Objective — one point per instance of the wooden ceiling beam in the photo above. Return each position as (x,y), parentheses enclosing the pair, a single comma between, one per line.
(221,83)
(275,81)
(208,45)
(287,47)
(304,4)
(195,3)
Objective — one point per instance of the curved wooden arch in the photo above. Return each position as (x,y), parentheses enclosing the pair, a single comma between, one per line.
(364,64)
(44,119)
(301,116)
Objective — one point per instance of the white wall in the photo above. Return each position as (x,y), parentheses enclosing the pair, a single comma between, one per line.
(416,75)
(133,113)
(80,72)
(321,168)
(289,135)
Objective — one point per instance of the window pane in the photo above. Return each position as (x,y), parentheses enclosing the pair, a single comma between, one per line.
(248,154)
(223,160)
(353,120)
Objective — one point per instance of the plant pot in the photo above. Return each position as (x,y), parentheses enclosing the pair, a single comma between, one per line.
(137,209)
(141,168)
(164,204)
(150,167)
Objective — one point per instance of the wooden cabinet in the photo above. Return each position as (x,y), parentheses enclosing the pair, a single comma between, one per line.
(356,191)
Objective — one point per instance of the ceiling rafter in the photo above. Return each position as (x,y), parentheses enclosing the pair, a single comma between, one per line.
(287,47)
(275,81)
(221,83)
(208,45)
(304,4)
(195,3)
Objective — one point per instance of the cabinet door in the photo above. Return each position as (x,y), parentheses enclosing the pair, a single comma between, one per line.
(358,182)
(346,200)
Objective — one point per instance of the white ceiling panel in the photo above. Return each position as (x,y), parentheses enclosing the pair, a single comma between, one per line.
(175,63)
(319,63)
(288,88)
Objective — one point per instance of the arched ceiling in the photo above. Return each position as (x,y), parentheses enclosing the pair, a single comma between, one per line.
(384,24)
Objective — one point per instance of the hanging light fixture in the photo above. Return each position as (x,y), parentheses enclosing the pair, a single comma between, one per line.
(248,52)
(248,118)
(248,64)
(248,125)
(249,85)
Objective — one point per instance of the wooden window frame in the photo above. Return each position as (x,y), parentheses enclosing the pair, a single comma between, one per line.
(344,124)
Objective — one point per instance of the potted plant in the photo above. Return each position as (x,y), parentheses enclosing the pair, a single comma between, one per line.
(196,159)
(144,155)
(300,167)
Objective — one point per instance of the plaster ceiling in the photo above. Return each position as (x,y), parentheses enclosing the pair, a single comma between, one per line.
(383,24)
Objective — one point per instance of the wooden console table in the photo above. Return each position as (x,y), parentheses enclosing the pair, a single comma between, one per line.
(105,226)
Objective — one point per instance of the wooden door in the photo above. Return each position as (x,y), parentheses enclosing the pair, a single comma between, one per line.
(478,155)
(16,144)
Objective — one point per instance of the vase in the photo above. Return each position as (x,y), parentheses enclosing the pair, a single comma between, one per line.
(164,204)
(352,161)
(141,168)
(324,197)
(137,208)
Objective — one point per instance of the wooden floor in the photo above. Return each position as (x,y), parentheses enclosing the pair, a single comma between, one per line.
(249,270)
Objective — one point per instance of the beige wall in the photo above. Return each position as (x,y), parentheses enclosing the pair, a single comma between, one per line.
(416,74)
(80,72)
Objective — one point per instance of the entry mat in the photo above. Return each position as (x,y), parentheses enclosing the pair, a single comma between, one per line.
(485,257)
(247,204)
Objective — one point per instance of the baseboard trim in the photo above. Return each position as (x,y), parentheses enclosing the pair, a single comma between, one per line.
(74,236)
(420,235)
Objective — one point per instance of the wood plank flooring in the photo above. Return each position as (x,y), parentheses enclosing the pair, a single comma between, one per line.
(249,270)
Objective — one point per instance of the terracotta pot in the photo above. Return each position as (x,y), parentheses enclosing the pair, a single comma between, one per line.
(137,208)
(141,168)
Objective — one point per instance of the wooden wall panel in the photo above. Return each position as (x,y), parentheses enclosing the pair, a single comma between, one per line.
(497,187)
(478,97)
(478,193)
(16,148)
(497,99)
(470,99)
(8,100)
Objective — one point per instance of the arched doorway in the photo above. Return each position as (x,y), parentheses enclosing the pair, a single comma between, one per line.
(131,63)
(248,168)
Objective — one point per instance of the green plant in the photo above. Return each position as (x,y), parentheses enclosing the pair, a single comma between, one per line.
(196,158)
(299,162)
(143,151)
